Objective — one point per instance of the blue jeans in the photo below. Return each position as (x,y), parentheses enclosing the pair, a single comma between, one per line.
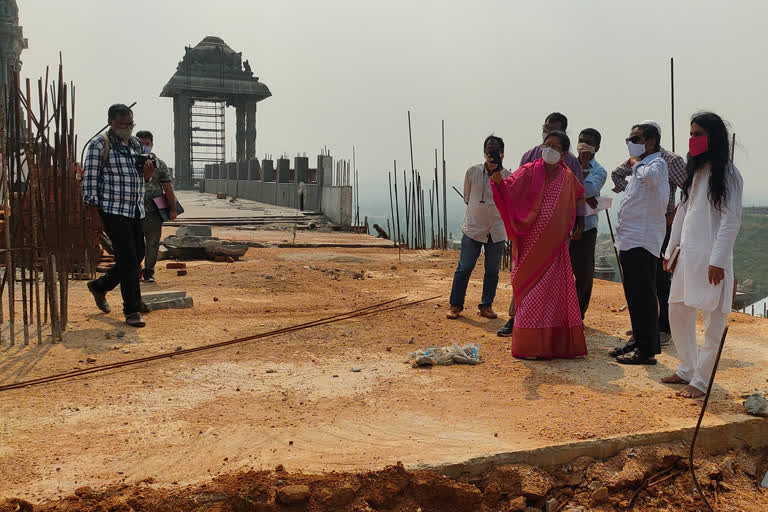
(470,251)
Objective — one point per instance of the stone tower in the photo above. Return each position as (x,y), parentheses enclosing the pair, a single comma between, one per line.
(12,41)
(211,77)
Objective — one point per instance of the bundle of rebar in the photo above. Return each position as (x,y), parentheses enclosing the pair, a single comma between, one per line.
(48,234)
(415,205)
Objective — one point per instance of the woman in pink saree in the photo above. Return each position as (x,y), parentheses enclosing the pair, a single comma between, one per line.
(538,204)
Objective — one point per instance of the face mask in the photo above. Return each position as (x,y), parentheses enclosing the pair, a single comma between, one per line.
(698,145)
(123,133)
(550,156)
(146,149)
(583,147)
(635,149)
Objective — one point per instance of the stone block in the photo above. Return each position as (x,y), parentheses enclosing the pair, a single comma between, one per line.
(231,250)
(163,295)
(178,303)
(193,230)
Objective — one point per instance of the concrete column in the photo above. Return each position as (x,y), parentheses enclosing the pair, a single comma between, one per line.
(250,130)
(254,170)
(240,132)
(301,169)
(283,170)
(242,171)
(268,166)
(182,112)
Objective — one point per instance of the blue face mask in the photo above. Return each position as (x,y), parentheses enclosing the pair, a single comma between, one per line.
(146,149)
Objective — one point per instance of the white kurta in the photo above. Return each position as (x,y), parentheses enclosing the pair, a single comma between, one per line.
(706,237)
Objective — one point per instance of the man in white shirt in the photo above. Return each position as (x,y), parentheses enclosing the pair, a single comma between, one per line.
(482,228)
(640,234)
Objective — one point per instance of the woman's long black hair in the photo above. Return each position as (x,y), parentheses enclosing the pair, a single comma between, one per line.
(717,156)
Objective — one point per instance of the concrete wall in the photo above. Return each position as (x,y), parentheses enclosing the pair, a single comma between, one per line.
(280,194)
(334,202)
(337,204)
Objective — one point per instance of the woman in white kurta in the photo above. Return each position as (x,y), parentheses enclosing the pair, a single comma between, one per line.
(705,229)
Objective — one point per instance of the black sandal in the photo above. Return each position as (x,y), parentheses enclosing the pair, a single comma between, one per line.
(620,351)
(636,358)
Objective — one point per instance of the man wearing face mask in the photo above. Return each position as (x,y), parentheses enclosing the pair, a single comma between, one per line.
(554,122)
(639,237)
(113,185)
(159,185)
(582,249)
(677,175)
(482,229)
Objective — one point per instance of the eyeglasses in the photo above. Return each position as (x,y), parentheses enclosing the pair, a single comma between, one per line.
(634,140)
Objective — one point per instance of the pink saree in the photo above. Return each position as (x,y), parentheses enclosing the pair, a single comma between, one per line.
(538,215)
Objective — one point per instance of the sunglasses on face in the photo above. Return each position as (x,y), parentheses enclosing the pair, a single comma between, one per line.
(634,140)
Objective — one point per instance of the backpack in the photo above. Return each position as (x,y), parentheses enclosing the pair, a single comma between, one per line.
(105,153)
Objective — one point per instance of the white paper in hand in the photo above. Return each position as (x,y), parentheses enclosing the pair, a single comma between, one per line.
(603,203)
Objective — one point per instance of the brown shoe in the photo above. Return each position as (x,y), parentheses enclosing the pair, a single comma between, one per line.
(454,313)
(487,312)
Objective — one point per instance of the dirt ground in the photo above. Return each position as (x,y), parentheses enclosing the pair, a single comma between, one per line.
(653,478)
(293,400)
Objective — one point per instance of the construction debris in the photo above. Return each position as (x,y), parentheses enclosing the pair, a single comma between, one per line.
(468,354)
(194,242)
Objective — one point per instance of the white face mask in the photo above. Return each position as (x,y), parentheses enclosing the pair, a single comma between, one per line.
(635,149)
(123,133)
(550,156)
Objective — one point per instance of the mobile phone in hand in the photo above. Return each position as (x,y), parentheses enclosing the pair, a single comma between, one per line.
(496,158)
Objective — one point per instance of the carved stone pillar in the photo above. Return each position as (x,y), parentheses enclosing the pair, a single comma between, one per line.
(182,117)
(240,131)
(250,130)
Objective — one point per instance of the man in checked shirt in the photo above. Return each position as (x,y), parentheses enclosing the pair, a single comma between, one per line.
(113,185)
(677,175)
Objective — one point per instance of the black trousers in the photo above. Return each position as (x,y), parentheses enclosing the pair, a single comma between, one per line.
(127,236)
(663,286)
(640,268)
(583,263)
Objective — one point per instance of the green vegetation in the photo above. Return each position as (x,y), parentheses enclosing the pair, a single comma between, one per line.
(750,254)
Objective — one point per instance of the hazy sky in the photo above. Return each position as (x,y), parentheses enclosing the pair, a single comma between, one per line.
(345,72)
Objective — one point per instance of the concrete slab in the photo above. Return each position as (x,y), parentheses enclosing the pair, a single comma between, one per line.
(178,303)
(196,230)
(162,295)
(739,433)
(197,205)
(180,418)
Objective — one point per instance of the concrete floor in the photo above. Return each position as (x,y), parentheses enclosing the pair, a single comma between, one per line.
(294,400)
